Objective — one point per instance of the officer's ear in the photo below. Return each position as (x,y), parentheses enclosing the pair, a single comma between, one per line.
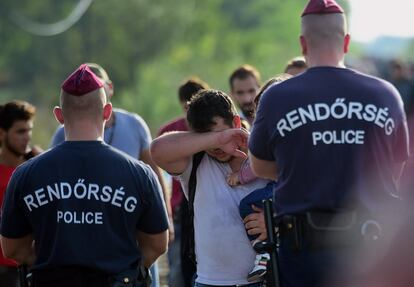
(57,111)
(347,41)
(107,111)
(304,45)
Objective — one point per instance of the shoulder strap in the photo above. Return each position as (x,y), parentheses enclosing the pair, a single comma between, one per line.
(188,244)
(192,182)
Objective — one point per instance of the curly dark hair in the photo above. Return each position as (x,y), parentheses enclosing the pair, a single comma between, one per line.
(14,111)
(205,106)
(191,87)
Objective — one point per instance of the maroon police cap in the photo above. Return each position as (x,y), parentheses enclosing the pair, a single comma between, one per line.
(322,7)
(81,82)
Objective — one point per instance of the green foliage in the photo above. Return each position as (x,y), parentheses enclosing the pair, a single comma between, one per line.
(147,47)
(120,35)
(222,36)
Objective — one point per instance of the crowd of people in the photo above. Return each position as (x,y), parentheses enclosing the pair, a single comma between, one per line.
(327,143)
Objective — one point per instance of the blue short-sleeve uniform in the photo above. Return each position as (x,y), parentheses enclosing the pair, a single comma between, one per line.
(335,135)
(84,201)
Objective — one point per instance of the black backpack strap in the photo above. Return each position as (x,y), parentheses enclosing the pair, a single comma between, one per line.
(192,182)
(188,245)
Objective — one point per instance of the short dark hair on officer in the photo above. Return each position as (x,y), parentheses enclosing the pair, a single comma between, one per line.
(207,105)
(14,111)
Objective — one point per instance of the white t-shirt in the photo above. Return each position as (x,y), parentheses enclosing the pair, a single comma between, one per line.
(224,253)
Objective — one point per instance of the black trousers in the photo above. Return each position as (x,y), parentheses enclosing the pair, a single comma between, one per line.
(187,266)
(70,277)
(9,276)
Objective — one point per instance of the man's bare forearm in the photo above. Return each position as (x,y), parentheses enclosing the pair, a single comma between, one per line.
(152,246)
(173,151)
(20,250)
(146,157)
(263,168)
(167,200)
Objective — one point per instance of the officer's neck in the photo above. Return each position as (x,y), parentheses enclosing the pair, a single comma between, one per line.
(325,59)
(84,131)
(327,64)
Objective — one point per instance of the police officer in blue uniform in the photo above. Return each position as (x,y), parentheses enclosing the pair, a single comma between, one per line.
(84,213)
(336,140)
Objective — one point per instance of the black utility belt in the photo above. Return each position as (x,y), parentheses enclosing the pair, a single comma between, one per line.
(324,230)
(130,278)
(256,284)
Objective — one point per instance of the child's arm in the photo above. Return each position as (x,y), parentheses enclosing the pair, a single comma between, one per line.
(246,174)
(243,176)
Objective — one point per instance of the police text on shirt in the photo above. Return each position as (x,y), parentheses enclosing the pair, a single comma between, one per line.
(337,110)
(80,191)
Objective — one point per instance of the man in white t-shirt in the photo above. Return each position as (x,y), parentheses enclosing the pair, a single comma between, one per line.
(224,253)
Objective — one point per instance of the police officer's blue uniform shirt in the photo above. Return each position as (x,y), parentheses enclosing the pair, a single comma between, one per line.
(84,202)
(335,135)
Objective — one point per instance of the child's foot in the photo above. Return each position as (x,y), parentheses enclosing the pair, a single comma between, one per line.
(233,179)
(259,269)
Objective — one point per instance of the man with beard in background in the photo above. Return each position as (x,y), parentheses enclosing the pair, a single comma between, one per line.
(244,85)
